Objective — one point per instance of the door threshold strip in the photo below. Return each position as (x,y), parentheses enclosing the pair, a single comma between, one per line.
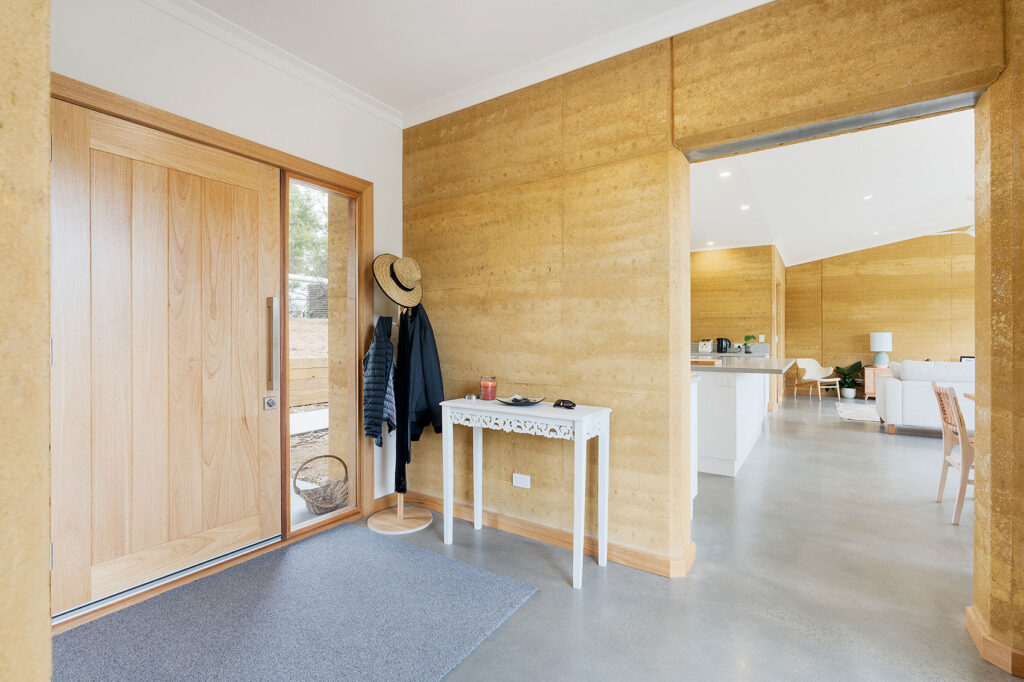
(170,577)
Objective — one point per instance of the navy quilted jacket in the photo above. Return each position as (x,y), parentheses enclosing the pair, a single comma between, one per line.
(378,378)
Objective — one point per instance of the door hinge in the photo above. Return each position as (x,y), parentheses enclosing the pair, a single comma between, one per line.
(51,147)
(51,351)
(51,557)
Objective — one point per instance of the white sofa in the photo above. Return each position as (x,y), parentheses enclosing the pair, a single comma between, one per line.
(906,398)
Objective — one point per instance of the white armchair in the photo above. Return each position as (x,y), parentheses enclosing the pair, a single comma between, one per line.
(815,375)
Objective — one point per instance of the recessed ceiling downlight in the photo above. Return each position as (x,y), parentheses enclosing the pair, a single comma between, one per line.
(745,207)
(725,174)
(711,243)
(867,197)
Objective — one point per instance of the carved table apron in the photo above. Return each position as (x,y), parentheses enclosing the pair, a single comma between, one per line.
(578,425)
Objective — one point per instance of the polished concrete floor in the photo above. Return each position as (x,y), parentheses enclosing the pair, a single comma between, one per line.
(825,559)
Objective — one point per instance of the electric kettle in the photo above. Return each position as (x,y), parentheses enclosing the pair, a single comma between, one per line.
(723,344)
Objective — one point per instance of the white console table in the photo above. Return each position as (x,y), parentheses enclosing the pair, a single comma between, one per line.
(578,425)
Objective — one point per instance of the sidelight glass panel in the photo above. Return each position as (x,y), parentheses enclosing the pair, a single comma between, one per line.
(322,377)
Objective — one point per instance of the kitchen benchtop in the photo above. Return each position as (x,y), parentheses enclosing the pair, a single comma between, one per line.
(738,354)
(747,365)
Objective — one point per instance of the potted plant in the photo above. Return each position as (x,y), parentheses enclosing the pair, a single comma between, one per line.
(747,340)
(849,379)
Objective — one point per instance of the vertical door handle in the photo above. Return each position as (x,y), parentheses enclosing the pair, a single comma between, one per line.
(274,361)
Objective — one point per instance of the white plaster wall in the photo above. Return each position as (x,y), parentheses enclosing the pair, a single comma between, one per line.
(134,49)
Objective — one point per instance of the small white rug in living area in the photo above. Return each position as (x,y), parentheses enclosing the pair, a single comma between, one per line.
(857,411)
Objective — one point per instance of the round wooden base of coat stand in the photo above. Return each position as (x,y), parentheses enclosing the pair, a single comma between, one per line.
(399,520)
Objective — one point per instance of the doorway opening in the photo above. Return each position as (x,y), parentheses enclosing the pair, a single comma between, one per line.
(850,257)
(320,321)
(874,232)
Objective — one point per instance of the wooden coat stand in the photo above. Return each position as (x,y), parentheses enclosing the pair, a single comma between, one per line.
(399,520)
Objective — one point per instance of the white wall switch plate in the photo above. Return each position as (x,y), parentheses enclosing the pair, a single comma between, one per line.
(760,339)
(521,480)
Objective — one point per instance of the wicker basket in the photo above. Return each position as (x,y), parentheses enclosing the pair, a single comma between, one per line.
(325,498)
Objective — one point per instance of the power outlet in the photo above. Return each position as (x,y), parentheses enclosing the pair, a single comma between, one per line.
(521,480)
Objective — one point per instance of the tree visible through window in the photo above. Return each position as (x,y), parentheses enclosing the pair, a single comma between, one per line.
(307,251)
(307,231)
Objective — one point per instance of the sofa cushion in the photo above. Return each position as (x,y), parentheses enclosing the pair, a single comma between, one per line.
(920,408)
(897,369)
(915,370)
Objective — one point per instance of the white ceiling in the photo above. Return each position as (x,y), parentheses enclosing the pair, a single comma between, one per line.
(808,198)
(415,60)
(408,61)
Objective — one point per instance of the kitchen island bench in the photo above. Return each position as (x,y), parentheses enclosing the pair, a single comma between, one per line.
(733,400)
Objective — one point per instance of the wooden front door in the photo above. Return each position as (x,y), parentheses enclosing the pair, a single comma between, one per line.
(163,253)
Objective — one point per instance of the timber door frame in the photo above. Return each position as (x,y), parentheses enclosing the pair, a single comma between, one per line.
(99,100)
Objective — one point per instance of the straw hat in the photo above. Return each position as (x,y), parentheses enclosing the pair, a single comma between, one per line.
(399,279)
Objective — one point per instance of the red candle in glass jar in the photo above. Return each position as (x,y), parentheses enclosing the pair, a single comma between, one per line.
(488,388)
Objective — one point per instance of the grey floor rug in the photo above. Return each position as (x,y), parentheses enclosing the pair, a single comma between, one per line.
(346,604)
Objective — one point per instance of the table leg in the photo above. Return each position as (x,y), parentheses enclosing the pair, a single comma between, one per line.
(447,475)
(602,497)
(579,498)
(478,477)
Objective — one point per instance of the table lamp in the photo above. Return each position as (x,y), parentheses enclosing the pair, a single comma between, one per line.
(881,343)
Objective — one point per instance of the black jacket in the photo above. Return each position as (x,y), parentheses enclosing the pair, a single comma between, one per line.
(378,374)
(418,386)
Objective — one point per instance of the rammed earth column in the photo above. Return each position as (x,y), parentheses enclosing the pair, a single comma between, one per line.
(996,619)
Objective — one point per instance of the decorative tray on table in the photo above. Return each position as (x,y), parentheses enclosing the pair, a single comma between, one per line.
(519,401)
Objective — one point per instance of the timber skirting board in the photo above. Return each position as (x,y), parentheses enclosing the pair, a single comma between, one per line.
(997,653)
(670,567)
(382,503)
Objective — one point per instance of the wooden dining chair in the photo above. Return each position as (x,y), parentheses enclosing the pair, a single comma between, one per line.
(954,433)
